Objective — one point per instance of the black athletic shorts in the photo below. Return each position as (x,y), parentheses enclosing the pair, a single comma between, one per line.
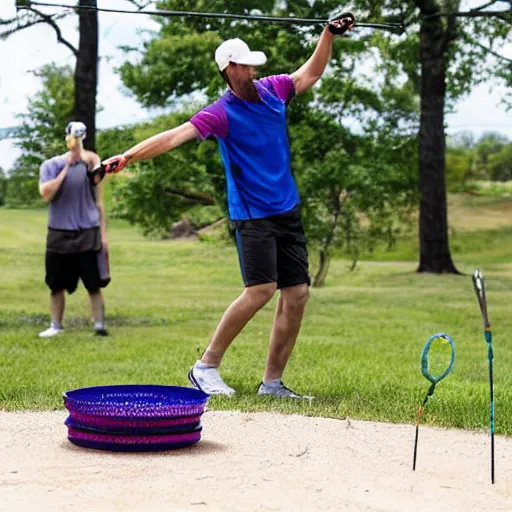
(64,270)
(273,250)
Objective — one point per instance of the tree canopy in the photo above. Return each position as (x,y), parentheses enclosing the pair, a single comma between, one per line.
(361,139)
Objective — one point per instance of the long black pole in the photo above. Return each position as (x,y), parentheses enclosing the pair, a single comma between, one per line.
(479,285)
(418,420)
(491,387)
(397,28)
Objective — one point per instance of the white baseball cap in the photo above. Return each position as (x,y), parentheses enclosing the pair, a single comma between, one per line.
(235,50)
(77,129)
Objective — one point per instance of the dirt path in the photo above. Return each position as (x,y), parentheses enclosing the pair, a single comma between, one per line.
(255,462)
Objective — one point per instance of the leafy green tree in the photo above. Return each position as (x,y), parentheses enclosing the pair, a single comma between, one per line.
(488,158)
(487,145)
(3,186)
(359,193)
(459,170)
(460,161)
(41,133)
(86,53)
(445,53)
(500,164)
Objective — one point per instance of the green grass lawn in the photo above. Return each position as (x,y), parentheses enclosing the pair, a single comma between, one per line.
(358,352)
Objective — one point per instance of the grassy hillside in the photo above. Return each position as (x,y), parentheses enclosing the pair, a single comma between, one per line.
(358,352)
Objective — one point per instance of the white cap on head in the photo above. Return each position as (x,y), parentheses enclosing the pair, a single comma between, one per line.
(77,129)
(235,50)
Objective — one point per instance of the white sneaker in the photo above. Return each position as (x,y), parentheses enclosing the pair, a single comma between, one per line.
(51,331)
(277,389)
(209,381)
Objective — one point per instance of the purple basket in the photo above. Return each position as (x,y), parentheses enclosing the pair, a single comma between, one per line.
(136,401)
(108,428)
(105,423)
(132,443)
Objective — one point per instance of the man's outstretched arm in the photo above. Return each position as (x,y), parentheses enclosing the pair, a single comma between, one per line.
(310,72)
(161,143)
(152,147)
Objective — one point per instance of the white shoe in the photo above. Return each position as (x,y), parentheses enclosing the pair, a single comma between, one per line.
(279,390)
(209,381)
(51,331)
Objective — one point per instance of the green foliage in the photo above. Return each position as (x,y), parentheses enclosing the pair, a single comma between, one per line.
(500,164)
(180,59)
(113,140)
(467,160)
(480,41)
(156,193)
(356,194)
(471,47)
(3,186)
(22,190)
(458,168)
(41,133)
(491,153)
(497,189)
(204,216)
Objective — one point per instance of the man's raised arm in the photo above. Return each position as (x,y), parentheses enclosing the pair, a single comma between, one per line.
(310,72)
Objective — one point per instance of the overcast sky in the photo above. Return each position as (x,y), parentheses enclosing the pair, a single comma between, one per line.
(31,49)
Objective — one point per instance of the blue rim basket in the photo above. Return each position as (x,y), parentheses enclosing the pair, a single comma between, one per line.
(136,401)
(134,418)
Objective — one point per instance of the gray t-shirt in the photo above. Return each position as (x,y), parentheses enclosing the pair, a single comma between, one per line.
(73,207)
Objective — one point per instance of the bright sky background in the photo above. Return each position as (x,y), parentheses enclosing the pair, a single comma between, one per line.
(30,49)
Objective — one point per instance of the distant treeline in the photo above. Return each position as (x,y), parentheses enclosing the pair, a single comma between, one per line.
(486,158)
(468,159)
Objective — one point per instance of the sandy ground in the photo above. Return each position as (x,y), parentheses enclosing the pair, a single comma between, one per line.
(255,462)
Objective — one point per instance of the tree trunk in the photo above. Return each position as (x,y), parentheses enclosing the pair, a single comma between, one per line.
(86,72)
(323,267)
(433,224)
(337,197)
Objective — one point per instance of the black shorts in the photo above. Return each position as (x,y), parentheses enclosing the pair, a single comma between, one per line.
(273,250)
(64,270)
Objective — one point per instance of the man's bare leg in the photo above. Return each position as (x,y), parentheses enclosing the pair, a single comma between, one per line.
(204,374)
(57,304)
(235,319)
(288,318)
(98,311)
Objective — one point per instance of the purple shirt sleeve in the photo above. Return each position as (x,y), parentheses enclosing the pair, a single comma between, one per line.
(212,120)
(281,85)
(50,169)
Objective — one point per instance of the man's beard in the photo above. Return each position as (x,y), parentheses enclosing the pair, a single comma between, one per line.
(248,92)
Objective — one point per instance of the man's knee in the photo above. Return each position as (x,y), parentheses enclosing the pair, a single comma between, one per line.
(260,294)
(296,297)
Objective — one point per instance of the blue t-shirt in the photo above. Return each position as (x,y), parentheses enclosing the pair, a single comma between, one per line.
(254,147)
(74,206)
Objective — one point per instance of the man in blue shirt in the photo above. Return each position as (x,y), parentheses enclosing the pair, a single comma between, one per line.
(249,123)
